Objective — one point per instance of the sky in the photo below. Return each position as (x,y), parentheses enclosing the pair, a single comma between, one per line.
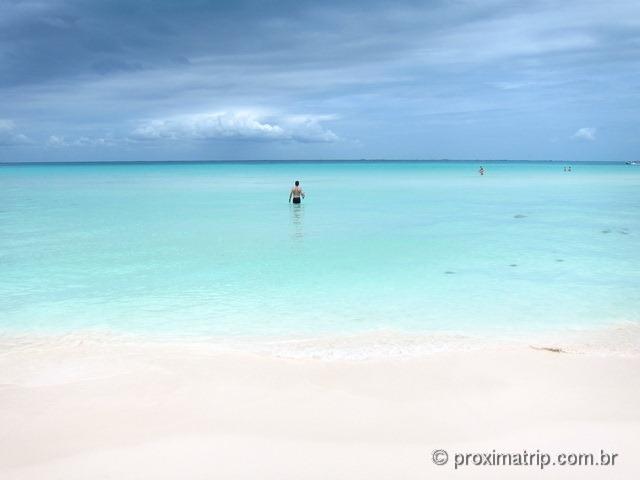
(247,80)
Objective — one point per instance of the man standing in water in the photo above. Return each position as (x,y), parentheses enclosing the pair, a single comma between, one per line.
(296,193)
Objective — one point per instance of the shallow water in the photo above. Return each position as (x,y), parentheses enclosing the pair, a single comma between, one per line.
(216,249)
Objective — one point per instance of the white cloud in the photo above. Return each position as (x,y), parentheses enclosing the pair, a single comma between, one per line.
(239,125)
(586,133)
(9,136)
(59,141)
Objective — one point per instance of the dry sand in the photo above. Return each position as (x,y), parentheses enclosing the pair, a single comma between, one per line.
(103,410)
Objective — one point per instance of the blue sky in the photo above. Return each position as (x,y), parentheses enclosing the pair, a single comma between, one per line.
(205,80)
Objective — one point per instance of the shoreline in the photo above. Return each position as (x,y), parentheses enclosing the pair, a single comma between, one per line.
(622,339)
(79,409)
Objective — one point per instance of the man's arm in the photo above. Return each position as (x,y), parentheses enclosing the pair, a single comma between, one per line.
(302,193)
(290,195)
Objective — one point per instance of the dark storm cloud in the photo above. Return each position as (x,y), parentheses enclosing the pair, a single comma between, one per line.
(46,40)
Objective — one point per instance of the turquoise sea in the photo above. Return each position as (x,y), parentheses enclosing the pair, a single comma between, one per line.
(216,249)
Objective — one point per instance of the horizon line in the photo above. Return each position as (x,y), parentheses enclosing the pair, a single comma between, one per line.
(282,161)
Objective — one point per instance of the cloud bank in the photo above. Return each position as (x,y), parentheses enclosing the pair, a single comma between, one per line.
(56,141)
(235,125)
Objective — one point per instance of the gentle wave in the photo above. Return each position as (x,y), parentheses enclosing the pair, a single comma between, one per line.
(618,340)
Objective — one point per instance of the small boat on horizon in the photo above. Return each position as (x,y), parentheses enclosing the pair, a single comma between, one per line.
(633,163)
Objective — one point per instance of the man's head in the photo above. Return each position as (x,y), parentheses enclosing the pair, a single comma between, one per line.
(297,183)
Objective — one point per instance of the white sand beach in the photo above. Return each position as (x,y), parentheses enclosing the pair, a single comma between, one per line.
(74,409)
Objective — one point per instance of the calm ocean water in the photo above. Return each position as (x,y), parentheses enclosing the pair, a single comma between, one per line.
(216,249)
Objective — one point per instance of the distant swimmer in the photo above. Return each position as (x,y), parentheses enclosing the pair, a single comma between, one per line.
(481,171)
(296,193)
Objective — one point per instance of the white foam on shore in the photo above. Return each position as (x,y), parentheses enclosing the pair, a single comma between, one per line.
(617,340)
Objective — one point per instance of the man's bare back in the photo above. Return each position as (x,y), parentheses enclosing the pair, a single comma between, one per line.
(296,193)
